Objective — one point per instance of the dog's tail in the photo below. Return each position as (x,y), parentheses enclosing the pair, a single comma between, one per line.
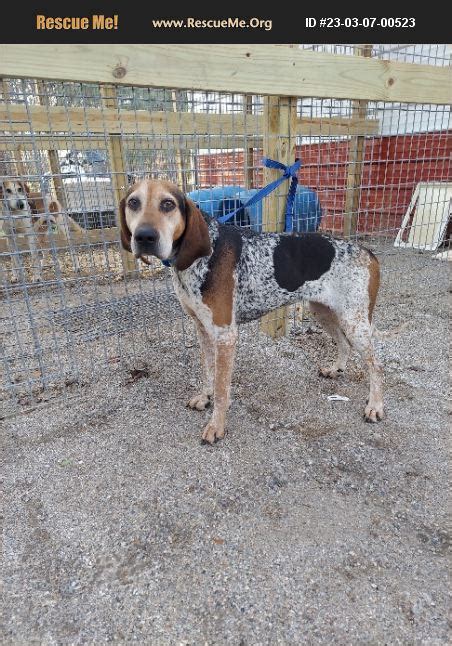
(390,334)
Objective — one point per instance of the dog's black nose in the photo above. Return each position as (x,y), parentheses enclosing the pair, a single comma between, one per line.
(146,237)
(20,204)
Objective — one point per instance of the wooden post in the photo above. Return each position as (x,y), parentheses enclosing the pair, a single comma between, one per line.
(184,155)
(118,173)
(249,152)
(355,162)
(177,152)
(280,115)
(7,162)
(54,161)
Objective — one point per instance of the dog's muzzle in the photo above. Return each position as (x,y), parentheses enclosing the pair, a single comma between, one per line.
(20,205)
(146,240)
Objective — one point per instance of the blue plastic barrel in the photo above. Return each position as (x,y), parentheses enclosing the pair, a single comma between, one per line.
(220,200)
(307,209)
(209,199)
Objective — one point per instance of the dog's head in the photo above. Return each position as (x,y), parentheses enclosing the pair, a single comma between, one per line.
(14,194)
(157,219)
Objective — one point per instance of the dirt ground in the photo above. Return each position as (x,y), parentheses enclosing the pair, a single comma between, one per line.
(304,526)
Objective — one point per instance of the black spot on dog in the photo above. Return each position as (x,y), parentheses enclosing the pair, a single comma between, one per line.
(300,258)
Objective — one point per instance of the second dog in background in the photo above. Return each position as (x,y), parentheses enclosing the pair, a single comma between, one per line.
(34,216)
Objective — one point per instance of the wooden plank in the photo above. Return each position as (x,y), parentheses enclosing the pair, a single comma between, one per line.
(337,126)
(52,154)
(87,237)
(138,142)
(249,153)
(279,143)
(355,163)
(253,69)
(220,129)
(177,151)
(183,155)
(20,118)
(119,180)
(16,164)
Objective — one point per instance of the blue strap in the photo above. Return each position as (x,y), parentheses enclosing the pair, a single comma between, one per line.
(290,172)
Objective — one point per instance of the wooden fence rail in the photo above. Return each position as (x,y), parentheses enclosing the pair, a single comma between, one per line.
(88,237)
(17,118)
(251,69)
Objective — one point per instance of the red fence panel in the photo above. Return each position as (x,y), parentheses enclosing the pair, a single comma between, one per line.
(392,167)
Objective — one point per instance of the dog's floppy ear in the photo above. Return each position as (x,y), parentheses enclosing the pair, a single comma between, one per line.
(25,187)
(126,236)
(55,207)
(195,239)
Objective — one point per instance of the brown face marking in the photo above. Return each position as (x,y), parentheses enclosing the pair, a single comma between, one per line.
(157,193)
(374,282)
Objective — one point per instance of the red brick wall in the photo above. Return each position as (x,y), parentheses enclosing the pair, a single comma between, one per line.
(393,166)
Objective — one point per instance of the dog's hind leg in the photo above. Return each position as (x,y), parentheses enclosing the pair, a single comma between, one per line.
(358,331)
(328,320)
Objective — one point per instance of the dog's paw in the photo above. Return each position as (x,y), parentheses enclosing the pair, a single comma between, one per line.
(199,402)
(373,412)
(212,432)
(330,373)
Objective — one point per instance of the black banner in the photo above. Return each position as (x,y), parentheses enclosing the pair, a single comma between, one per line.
(120,22)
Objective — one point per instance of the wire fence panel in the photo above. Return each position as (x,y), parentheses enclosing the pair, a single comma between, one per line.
(73,302)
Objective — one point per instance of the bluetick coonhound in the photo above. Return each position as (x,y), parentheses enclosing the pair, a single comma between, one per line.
(225,275)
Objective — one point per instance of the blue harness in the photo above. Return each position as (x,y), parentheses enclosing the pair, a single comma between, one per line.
(290,172)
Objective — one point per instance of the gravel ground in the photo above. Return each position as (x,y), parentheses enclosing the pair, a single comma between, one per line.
(305,525)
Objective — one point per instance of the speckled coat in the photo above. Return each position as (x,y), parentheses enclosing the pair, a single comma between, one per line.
(266,271)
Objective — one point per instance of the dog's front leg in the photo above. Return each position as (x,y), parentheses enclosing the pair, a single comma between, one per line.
(63,224)
(225,343)
(16,267)
(207,347)
(36,267)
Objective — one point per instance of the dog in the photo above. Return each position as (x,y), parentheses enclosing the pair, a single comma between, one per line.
(34,216)
(17,219)
(225,276)
(51,218)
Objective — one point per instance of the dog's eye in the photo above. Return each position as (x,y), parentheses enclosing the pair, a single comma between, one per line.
(167,205)
(133,203)
(20,189)
(8,190)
